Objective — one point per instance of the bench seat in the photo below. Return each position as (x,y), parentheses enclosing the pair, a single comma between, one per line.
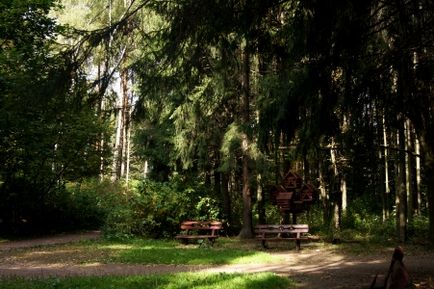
(199,230)
(274,233)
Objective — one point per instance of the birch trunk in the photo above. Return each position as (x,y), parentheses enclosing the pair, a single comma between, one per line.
(386,195)
(418,176)
(121,128)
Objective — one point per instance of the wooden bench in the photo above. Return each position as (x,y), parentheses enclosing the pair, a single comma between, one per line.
(199,230)
(271,233)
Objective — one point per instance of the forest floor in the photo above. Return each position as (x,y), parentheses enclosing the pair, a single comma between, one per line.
(314,267)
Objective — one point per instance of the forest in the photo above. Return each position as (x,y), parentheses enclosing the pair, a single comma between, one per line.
(132,116)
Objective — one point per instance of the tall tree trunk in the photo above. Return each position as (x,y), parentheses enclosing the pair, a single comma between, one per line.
(121,127)
(418,176)
(118,144)
(227,204)
(127,145)
(337,193)
(260,200)
(429,170)
(101,107)
(401,193)
(247,226)
(427,147)
(323,192)
(410,164)
(386,195)
(126,122)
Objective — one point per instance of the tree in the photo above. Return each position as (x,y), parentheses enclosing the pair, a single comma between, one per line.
(46,118)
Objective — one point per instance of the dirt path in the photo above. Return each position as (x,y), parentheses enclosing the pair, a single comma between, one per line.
(313,267)
(50,240)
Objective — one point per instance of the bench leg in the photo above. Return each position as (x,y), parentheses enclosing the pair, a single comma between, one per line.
(201,242)
(297,244)
(264,244)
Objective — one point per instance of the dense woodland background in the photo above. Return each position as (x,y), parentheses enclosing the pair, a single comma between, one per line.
(134,115)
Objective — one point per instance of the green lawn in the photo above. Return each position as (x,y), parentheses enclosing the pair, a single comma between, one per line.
(171,252)
(143,251)
(168,281)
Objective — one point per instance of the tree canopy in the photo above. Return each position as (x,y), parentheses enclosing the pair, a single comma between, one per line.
(225,95)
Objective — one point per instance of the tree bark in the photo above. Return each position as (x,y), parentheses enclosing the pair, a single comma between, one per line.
(121,128)
(323,193)
(401,193)
(386,173)
(418,176)
(227,204)
(410,174)
(337,185)
(260,200)
(427,146)
(247,226)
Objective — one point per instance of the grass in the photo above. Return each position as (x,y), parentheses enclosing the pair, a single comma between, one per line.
(168,281)
(170,252)
(144,251)
(141,251)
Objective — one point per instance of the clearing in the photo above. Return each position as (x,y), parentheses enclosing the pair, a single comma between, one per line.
(316,266)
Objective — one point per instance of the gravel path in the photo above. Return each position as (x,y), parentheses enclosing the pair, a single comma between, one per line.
(312,267)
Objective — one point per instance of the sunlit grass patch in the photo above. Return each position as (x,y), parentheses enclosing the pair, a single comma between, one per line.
(145,251)
(171,252)
(194,256)
(169,281)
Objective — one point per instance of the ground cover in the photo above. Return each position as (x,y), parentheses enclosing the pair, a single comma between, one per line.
(142,251)
(166,281)
(318,265)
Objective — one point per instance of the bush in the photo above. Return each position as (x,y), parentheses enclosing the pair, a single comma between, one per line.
(418,229)
(85,202)
(26,209)
(156,209)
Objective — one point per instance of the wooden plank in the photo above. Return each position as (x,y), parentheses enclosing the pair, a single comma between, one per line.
(281,231)
(274,233)
(282,238)
(196,237)
(281,228)
(199,230)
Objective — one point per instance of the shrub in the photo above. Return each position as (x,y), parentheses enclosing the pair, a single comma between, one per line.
(156,209)
(28,209)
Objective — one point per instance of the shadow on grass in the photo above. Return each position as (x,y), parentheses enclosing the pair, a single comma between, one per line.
(169,281)
(169,252)
(140,251)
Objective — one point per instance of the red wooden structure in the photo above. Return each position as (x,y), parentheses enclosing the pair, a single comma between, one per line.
(292,195)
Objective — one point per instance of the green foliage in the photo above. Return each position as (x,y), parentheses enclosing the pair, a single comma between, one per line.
(231,144)
(49,133)
(363,222)
(359,223)
(318,71)
(86,202)
(156,209)
(67,207)
(167,281)
(418,229)
(152,142)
